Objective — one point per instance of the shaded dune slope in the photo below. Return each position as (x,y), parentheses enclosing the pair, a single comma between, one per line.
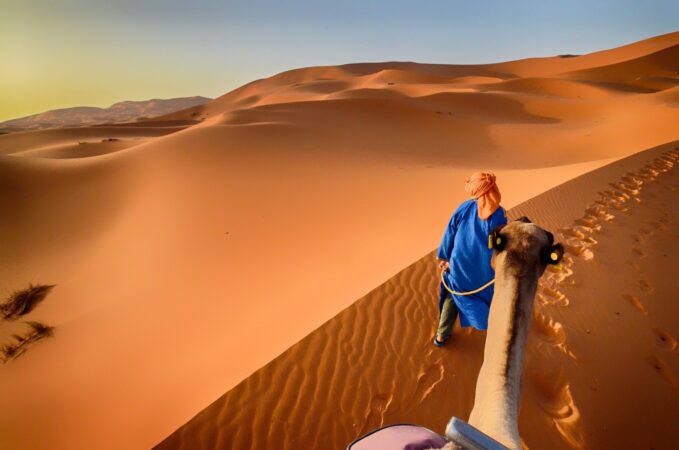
(373,364)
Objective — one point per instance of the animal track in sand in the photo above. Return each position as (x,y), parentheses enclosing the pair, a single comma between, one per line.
(661,367)
(636,303)
(427,381)
(666,339)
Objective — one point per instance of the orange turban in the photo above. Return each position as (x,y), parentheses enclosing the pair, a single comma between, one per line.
(479,184)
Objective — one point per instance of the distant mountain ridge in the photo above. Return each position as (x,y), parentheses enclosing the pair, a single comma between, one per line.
(125,111)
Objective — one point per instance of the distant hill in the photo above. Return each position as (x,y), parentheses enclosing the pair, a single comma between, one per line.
(120,112)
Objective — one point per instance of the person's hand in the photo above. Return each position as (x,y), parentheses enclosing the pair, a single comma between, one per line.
(443,264)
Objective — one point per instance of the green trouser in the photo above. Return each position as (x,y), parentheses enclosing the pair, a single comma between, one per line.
(447,319)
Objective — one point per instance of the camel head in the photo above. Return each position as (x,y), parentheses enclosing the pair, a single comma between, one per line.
(523,249)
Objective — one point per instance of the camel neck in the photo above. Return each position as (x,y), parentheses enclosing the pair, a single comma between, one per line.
(498,388)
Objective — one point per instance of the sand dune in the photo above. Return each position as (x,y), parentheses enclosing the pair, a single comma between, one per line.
(558,65)
(202,245)
(120,112)
(34,142)
(600,346)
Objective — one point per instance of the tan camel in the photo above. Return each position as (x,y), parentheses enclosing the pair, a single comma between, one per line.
(522,252)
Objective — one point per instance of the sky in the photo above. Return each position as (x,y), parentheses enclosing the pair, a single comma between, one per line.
(57,54)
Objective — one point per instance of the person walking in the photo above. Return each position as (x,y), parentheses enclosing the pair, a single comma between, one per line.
(464,257)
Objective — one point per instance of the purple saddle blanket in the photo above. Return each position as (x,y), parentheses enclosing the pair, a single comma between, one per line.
(399,437)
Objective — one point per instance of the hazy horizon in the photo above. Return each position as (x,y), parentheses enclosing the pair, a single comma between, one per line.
(93,53)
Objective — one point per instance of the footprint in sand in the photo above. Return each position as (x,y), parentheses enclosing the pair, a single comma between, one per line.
(639,253)
(635,266)
(559,275)
(648,173)
(645,231)
(555,399)
(599,212)
(660,366)
(666,339)
(658,225)
(374,416)
(613,199)
(629,189)
(567,261)
(619,196)
(645,286)
(572,232)
(427,381)
(552,332)
(636,303)
(578,247)
(632,180)
(591,223)
(552,297)
(663,165)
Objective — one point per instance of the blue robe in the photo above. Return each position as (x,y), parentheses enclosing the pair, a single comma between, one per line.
(465,246)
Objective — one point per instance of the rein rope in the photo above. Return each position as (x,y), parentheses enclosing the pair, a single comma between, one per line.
(464,293)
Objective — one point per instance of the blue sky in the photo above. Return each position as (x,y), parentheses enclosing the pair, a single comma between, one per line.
(95,52)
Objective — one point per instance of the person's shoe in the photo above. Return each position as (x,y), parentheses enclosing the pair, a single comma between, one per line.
(441,343)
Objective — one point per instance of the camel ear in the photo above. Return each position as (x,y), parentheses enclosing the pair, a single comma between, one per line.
(550,237)
(552,254)
(496,240)
(524,219)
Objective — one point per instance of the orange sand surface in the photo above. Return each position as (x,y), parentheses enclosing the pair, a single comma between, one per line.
(196,249)
(602,364)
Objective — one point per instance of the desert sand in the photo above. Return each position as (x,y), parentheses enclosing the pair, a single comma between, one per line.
(224,250)
(601,364)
